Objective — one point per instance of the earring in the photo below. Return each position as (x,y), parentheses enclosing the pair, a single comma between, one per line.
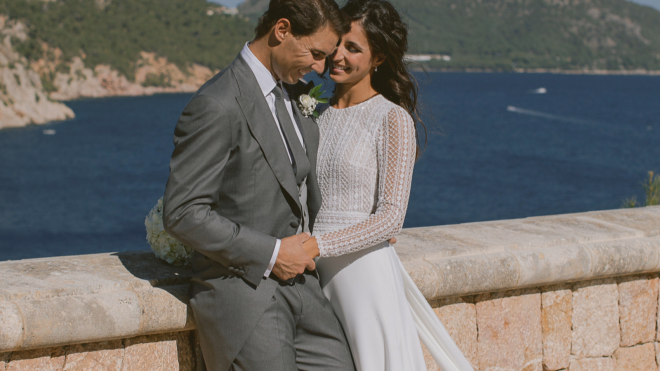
(376,69)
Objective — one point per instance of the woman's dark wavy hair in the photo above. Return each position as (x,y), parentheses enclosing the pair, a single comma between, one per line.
(388,35)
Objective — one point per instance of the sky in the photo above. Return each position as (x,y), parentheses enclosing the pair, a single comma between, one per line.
(233,3)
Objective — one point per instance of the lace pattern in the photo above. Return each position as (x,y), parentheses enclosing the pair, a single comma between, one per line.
(365,164)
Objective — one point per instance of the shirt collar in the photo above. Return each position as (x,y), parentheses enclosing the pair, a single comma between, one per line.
(265,79)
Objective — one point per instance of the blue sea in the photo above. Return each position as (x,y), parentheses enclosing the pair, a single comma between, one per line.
(498,147)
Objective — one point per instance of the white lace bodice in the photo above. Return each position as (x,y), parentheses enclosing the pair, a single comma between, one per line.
(364,167)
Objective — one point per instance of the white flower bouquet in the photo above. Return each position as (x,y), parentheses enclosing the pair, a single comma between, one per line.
(165,246)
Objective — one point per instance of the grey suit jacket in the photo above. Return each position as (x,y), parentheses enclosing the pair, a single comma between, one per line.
(230,194)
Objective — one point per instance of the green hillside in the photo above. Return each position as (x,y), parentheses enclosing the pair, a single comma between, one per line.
(115,31)
(556,34)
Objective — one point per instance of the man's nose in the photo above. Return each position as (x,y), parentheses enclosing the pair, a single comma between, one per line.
(318,66)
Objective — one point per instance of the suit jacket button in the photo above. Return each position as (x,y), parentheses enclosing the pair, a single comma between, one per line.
(295,224)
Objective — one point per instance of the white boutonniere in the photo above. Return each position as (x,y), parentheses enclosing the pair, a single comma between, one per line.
(307,102)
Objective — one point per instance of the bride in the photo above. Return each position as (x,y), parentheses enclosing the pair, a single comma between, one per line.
(366,156)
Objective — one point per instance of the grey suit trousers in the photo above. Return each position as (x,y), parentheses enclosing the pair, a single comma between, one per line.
(298,331)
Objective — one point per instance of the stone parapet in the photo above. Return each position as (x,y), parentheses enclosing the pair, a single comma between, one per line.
(576,292)
(474,258)
(88,298)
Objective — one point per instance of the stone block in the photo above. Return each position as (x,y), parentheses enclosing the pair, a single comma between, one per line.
(509,326)
(37,360)
(623,257)
(425,275)
(80,318)
(151,353)
(11,326)
(637,358)
(460,320)
(595,319)
(165,309)
(4,359)
(592,364)
(638,219)
(657,353)
(428,359)
(638,307)
(553,264)
(474,274)
(556,314)
(103,356)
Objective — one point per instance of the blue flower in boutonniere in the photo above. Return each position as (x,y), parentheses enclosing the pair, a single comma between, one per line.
(307,102)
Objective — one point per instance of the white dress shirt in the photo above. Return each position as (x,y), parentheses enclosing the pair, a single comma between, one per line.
(267,83)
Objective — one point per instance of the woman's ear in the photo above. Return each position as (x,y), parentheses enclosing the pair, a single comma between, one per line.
(378,60)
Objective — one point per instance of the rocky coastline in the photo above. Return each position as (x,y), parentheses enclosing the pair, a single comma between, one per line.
(418,68)
(32,92)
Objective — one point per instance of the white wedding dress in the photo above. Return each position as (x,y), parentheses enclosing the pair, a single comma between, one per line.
(365,163)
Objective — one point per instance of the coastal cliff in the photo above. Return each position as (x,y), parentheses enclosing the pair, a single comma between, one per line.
(24,100)
(63,50)
(30,90)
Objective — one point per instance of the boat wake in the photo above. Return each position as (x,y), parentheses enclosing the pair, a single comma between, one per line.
(549,116)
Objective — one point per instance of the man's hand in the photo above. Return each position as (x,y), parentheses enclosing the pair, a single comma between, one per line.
(292,259)
(311,247)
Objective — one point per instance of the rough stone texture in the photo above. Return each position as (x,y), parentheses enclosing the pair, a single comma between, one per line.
(90,298)
(637,358)
(80,318)
(103,81)
(23,100)
(37,360)
(645,221)
(592,364)
(103,356)
(151,353)
(460,320)
(11,322)
(657,353)
(638,307)
(173,351)
(595,319)
(467,259)
(509,326)
(4,358)
(430,362)
(556,314)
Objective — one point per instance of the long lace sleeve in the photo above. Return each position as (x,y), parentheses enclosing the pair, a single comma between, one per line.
(396,157)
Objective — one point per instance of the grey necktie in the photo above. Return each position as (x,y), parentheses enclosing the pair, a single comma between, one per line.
(300,162)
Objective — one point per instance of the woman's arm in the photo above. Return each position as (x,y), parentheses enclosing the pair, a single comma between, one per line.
(396,158)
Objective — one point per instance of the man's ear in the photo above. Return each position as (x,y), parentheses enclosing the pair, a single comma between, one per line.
(282,29)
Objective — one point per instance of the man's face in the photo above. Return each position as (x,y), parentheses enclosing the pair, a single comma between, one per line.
(297,56)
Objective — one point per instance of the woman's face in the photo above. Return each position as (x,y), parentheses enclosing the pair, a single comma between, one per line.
(352,60)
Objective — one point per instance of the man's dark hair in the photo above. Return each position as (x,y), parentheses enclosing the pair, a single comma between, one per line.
(305,16)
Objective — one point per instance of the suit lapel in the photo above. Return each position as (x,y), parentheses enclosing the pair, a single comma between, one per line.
(264,128)
(311,135)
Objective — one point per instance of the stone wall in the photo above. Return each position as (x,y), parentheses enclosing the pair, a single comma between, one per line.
(162,352)
(607,325)
(569,292)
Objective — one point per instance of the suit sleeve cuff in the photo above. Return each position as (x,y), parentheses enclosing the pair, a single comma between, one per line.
(273,259)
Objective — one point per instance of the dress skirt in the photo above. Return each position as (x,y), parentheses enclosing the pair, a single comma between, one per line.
(366,291)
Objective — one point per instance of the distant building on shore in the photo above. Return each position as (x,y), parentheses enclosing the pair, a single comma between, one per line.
(427,57)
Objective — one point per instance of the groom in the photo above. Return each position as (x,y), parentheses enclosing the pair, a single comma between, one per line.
(243,194)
